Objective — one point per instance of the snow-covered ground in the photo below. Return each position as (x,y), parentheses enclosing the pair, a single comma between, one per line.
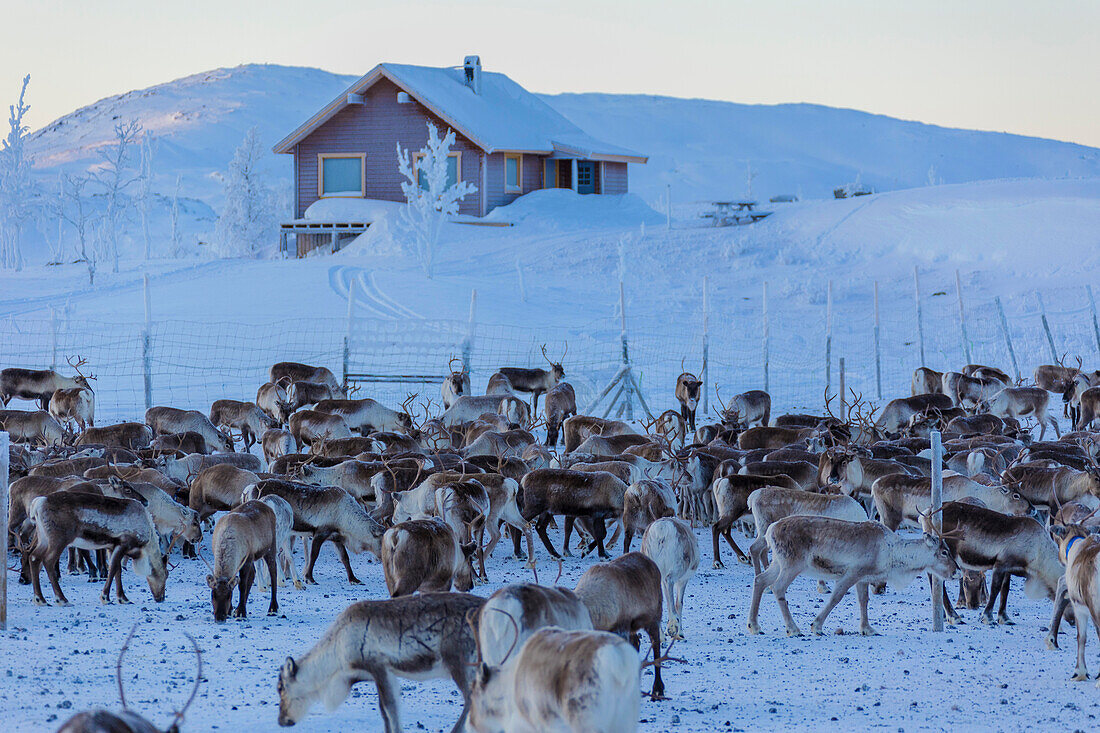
(974,677)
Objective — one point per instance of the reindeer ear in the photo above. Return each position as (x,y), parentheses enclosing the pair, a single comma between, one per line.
(290,668)
(1058,530)
(233,582)
(469,548)
(210,580)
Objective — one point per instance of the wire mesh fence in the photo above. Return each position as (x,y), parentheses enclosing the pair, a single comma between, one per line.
(781,347)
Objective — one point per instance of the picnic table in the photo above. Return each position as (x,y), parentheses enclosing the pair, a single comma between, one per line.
(735,212)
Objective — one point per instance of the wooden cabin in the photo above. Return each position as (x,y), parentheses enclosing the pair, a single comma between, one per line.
(508,143)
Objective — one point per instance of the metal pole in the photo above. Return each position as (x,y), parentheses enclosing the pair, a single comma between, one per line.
(628,384)
(766,335)
(704,374)
(1008,337)
(962,319)
(920,316)
(53,338)
(1046,328)
(5,500)
(147,345)
(937,522)
(829,338)
(1095,325)
(351,326)
(668,207)
(878,351)
(468,344)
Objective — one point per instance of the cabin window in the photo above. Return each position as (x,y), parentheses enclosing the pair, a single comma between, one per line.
(513,173)
(341,175)
(454,170)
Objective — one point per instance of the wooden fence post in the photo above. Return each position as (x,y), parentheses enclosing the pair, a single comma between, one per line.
(1008,337)
(766,335)
(962,319)
(351,326)
(843,395)
(937,522)
(471,327)
(1046,328)
(878,350)
(920,316)
(147,345)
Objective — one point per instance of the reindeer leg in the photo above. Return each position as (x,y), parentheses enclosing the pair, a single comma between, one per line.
(343,552)
(114,570)
(783,580)
(758,551)
(994,587)
(843,585)
(247,576)
(387,700)
(540,527)
(654,631)
(53,572)
(568,531)
(949,611)
(314,551)
(273,571)
(517,546)
(1061,601)
(1002,610)
(1081,672)
(599,529)
(714,534)
(74,561)
(864,623)
(35,573)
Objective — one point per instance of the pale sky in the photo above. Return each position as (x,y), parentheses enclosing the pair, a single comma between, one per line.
(1009,65)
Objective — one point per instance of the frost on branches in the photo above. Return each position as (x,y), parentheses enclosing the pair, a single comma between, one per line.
(432,203)
(247,224)
(17,194)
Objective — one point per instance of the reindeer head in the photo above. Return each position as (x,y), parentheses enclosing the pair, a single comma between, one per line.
(221,595)
(556,369)
(80,377)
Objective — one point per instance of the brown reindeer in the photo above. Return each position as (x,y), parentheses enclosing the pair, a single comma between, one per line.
(240,538)
(550,491)
(688,394)
(76,404)
(425,554)
(455,384)
(926,381)
(535,381)
(32,384)
(245,417)
(129,435)
(578,428)
(1018,402)
(560,404)
(38,427)
(293,371)
(272,399)
(174,420)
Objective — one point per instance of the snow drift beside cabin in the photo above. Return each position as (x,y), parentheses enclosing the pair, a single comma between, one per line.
(351,210)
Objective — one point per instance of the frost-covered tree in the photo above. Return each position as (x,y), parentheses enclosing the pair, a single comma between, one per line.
(116,177)
(144,185)
(17,192)
(51,214)
(431,198)
(76,209)
(247,223)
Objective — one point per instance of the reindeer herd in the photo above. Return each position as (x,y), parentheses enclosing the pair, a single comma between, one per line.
(430,493)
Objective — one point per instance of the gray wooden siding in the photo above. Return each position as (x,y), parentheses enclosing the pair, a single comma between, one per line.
(614,178)
(530,179)
(374,128)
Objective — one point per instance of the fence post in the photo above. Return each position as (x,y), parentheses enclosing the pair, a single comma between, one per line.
(1095,325)
(766,335)
(468,342)
(628,403)
(704,374)
(878,351)
(53,338)
(668,207)
(962,319)
(351,325)
(147,345)
(828,338)
(4,500)
(937,522)
(1046,328)
(1008,337)
(843,395)
(920,315)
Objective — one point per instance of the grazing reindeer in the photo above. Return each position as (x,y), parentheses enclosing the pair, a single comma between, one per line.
(899,497)
(624,597)
(550,491)
(172,520)
(219,488)
(771,503)
(986,372)
(367,415)
(241,537)
(469,408)
(580,427)
(561,681)
(246,417)
(296,372)
(512,614)
(1056,377)
(670,544)
(748,409)
(271,397)
(277,442)
(299,394)
(102,721)
(94,522)
(731,501)
(1089,407)
(284,523)
(535,381)
(76,404)
(983,539)
(897,413)
(173,420)
(329,514)
(926,381)
(31,384)
(38,427)
(644,502)
(418,637)
(1050,488)
(425,554)
(560,404)
(129,435)
(455,384)
(1018,402)
(688,394)
(311,426)
(848,553)
(189,442)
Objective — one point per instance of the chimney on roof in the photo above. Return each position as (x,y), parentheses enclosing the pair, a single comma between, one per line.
(472,66)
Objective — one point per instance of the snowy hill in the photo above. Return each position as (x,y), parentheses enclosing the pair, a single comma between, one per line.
(703,148)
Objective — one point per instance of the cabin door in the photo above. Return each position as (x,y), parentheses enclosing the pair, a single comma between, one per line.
(586,176)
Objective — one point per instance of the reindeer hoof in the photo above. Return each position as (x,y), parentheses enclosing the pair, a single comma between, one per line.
(240,614)
(754,629)
(1080,677)
(955,621)
(986,619)
(355,581)
(1006,621)
(718,565)
(794,632)
(816,630)
(744,560)
(273,611)
(124,601)
(1052,643)
(41,602)
(868,631)
(299,585)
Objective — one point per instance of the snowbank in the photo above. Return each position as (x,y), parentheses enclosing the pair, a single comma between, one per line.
(561,208)
(351,210)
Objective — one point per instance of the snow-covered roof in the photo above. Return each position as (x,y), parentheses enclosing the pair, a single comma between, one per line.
(502,117)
